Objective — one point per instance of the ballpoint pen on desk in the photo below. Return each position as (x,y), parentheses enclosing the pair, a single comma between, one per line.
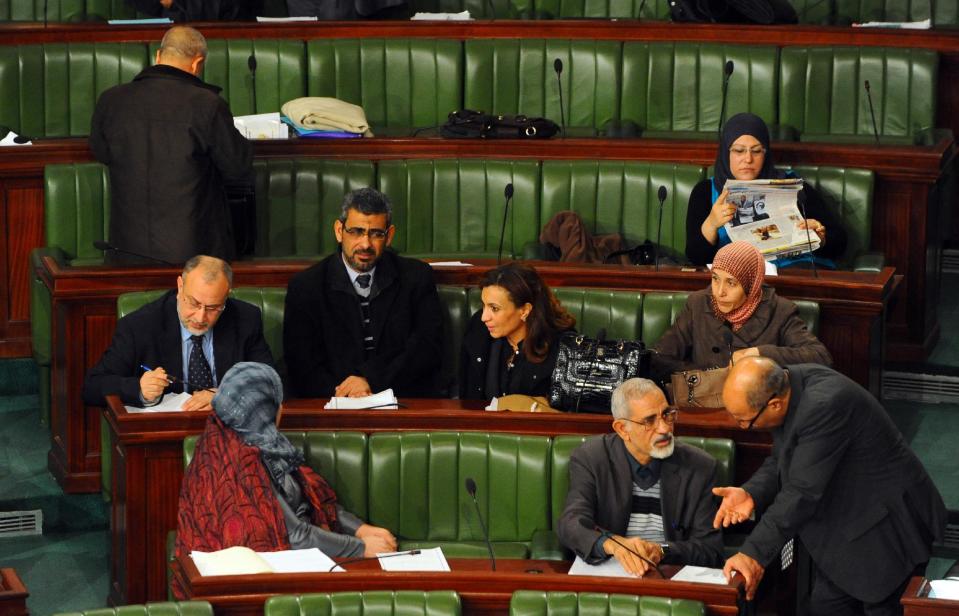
(172,379)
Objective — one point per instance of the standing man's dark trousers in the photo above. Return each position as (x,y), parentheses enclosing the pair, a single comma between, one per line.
(826,599)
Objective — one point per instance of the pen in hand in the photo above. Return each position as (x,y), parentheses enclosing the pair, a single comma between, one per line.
(172,379)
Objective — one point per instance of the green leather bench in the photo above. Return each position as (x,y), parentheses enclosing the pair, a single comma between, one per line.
(601,9)
(65,10)
(368,603)
(543,603)
(169,608)
(822,95)
(845,12)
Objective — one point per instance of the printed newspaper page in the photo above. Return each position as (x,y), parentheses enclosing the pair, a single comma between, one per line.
(767,216)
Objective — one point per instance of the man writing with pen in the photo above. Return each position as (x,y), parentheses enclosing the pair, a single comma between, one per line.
(184,341)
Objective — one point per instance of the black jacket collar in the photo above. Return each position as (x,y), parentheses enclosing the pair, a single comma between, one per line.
(165,71)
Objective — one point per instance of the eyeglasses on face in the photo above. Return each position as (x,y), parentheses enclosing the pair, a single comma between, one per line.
(668,416)
(749,425)
(358,232)
(192,304)
(739,150)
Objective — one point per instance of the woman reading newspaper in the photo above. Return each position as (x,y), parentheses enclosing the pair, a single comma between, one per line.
(744,154)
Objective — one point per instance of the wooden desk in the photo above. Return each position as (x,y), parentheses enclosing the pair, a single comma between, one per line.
(147,453)
(481,591)
(13,594)
(916,602)
(84,317)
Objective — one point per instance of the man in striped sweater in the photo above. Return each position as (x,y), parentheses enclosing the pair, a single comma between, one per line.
(639,496)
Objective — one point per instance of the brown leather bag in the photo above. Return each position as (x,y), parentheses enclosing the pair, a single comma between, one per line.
(702,388)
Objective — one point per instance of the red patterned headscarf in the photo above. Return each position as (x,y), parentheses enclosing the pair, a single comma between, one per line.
(746,264)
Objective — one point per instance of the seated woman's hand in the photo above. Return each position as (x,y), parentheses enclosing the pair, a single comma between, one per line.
(816,227)
(750,352)
(376,540)
(721,212)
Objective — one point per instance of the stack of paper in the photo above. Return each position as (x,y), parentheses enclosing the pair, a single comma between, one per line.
(607,568)
(262,126)
(383,400)
(944,589)
(464,16)
(170,402)
(241,560)
(427,560)
(700,575)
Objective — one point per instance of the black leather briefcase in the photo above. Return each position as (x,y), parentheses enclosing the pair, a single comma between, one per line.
(470,124)
(587,371)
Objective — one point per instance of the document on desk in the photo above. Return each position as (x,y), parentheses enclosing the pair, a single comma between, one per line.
(241,560)
(382,400)
(427,560)
(607,568)
(944,589)
(170,403)
(700,575)
(450,264)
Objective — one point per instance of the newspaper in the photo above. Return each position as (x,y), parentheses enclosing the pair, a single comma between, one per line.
(767,216)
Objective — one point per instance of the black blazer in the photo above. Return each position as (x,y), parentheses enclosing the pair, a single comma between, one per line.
(842,478)
(323,339)
(479,350)
(151,336)
(601,494)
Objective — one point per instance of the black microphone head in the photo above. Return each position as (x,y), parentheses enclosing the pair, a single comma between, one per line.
(558,65)
(101,245)
(866,83)
(727,337)
(662,193)
(728,69)
(470,486)
(251,63)
(508,191)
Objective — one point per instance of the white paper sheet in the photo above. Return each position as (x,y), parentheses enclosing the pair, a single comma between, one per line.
(383,400)
(944,589)
(283,19)
(9,140)
(464,16)
(924,24)
(244,561)
(432,559)
(170,403)
(450,264)
(607,568)
(700,575)
(299,561)
(262,126)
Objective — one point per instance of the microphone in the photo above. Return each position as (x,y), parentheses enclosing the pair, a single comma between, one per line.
(45,3)
(872,111)
(728,339)
(558,67)
(659,233)
(600,338)
(251,64)
(101,245)
(727,73)
(471,490)
(508,193)
(801,201)
(589,524)
(361,559)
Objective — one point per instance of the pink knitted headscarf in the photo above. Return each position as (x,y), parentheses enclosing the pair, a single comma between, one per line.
(747,265)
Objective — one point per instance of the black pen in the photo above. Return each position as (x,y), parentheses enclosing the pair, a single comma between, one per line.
(172,379)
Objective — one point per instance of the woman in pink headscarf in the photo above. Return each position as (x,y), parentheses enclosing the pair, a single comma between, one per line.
(736,317)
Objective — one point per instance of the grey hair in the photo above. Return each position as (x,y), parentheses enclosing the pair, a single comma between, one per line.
(772,381)
(630,389)
(367,201)
(210,268)
(183,41)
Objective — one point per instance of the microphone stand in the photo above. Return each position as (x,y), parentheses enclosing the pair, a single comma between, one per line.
(471,490)
(558,67)
(872,111)
(659,232)
(508,194)
(801,200)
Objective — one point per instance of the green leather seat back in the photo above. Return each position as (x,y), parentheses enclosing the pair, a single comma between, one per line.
(418,479)
(621,197)
(513,76)
(558,603)
(850,192)
(342,459)
(821,93)
(399,83)
(270,301)
(455,207)
(604,9)
(618,312)
(456,316)
(722,449)
(298,200)
(946,13)
(809,313)
(131,302)
(110,9)
(675,89)
(369,603)
(845,12)
(169,608)
(32,10)
(659,313)
(50,90)
(77,210)
(479,9)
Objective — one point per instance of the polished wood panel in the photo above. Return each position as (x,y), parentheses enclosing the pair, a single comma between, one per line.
(852,306)
(916,602)
(13,594)
(481,590)
(21,213)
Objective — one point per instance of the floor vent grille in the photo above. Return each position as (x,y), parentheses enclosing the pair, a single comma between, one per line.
(917,387)
(21,523)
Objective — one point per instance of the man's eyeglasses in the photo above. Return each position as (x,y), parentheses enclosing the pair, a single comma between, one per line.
(358,232)
(739,150)
(195,305)
(752,421)
(668,416)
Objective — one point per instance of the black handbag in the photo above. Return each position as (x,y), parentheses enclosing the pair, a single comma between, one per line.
(587,371)
(469,124)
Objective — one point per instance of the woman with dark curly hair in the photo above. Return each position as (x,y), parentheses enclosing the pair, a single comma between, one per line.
(510,345)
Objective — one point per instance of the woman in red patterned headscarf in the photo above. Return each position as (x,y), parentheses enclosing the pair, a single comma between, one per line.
(736,317)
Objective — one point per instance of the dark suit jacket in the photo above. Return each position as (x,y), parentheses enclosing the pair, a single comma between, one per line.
(151,336)
(475,364)
(843,479)
(601,494)
(323,339)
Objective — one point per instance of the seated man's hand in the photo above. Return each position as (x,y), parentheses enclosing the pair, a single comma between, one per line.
(737,506)
(631,562)
(750,352)
(751,570)
(199,401)
(153,383)
(353,387)
(376,540)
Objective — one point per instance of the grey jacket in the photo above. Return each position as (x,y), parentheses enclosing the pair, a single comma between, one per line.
(601,494)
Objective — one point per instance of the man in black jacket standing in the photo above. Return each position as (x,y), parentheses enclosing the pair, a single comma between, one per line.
(170,144)
(363,319)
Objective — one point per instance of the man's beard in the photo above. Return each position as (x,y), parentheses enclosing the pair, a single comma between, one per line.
(661,453)
(361,266)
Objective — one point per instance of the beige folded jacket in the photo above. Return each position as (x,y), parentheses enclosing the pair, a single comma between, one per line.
(323,113)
